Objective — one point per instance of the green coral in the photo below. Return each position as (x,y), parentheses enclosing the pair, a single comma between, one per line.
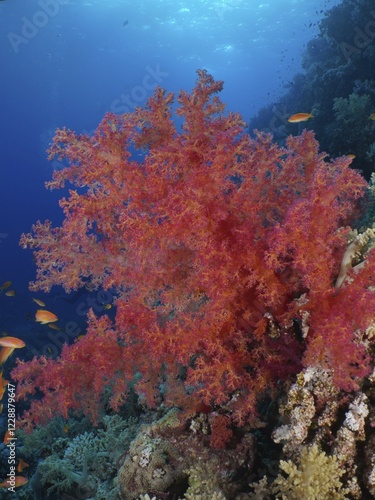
(316,477)
(89,460)
(352,110)
(43,440)
(58,474)
(352,129)
(203,484)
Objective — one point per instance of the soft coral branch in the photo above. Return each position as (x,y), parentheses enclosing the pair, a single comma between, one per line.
(78,379)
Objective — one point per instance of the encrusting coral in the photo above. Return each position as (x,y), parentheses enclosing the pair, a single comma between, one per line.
(166,455)
(152,464)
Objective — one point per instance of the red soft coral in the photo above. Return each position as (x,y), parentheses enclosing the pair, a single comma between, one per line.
(78,379)
(215,243)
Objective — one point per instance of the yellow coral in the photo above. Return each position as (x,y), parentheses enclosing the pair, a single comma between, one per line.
(316,477)
(203,484)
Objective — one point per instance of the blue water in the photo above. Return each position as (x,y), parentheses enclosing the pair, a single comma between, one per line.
(66,63)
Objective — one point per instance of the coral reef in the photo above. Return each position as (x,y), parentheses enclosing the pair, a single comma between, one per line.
(88,463)
(313,389)
(157,456)
(152,465)
(319,415)
(168,456)
(337,83)
(317,477)
(220,247)
(245,280)
(203,485)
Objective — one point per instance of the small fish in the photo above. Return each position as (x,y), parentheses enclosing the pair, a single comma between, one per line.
(107,306)
(53,326)
(39,302)
(1,407)
(18,481)
(3,384)
(21,465)
(351,156)
(2,390)
(10,293)
(66,428)
(8,437)
(8,345)
(5,353)
(44,317)
(372,116)
(12,342)
(300,117)
(5,285)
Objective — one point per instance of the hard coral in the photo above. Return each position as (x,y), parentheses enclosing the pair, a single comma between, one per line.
(218,246)
(152,464)
(316,477)
(88,463)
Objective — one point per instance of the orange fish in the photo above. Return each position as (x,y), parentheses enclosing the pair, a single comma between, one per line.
(351,156)
(2,390)
(21,465)
(44,317)
(5,285)
(8,437)
(5,353)
(372,116)
(18,481)
(39,302)
(10,293)
(12,342)
(8,345)
(53,326)
(300,117)
(3,384)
